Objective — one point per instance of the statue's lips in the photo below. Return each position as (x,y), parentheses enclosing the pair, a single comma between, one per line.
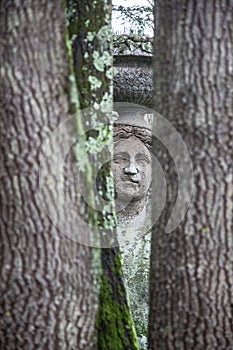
(131,180)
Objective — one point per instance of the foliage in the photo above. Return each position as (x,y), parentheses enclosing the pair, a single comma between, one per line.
(138,17)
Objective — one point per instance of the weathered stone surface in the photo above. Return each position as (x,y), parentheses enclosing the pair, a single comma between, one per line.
(136,269)
(132,179)
(133,77)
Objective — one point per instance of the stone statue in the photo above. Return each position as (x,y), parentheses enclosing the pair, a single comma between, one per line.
(132,179)
(132,171)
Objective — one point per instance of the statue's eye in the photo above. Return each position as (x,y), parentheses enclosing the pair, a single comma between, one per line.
(120,160)
(143,160)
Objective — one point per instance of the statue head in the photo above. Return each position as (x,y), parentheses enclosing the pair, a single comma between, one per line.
(132,160)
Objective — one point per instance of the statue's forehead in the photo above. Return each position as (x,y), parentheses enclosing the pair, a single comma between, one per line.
(131,145)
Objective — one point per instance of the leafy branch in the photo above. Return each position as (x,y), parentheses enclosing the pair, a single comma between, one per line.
(139,17)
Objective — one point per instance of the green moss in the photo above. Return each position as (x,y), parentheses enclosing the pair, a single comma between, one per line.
(71,88)
(115,327)
(93,88)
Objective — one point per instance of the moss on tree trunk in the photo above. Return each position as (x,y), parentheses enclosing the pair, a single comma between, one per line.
(114,322)
(91,38)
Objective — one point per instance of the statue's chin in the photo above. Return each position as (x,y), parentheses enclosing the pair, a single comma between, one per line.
(122,203)
(130,204)
(125,198)
(129,191)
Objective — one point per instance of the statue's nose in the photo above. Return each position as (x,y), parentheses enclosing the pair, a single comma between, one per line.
(131,168)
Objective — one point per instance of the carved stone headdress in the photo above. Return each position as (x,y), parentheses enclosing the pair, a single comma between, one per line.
(133,115)
(132,120)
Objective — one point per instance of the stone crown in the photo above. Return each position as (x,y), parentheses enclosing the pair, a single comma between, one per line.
(134,115)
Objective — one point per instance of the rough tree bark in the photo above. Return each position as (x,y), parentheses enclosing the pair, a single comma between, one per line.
(191,269)
(47,295)
(90,32)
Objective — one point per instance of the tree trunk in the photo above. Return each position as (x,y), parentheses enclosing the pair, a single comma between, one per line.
(191,288)
(47,295)
(90,32)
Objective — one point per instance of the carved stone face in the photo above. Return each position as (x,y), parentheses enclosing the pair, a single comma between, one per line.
(131,169)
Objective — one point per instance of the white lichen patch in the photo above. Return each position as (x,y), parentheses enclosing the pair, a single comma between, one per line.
(71,78)
(110,73)
(106,103)
(101,61)
(96,106)
(110,187)
(90,36)
(95,82)
(105,34)
(73,37)
(87,22)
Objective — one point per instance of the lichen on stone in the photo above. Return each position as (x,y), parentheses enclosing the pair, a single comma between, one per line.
(132,45)
(136,270)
